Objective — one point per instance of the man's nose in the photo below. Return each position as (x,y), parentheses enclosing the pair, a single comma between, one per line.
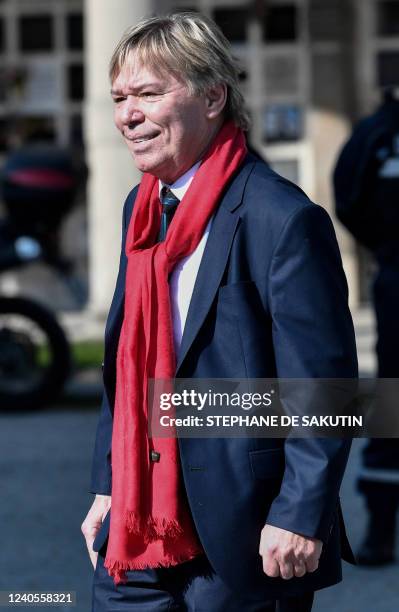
(132,112)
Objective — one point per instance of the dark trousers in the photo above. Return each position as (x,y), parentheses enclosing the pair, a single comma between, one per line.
(189,587)
(380,482)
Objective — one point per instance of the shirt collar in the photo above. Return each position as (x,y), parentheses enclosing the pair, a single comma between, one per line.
(180,186)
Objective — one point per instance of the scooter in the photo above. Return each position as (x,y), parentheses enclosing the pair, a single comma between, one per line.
(38,186)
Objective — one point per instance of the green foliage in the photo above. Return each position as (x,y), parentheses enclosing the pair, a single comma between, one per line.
(87,354)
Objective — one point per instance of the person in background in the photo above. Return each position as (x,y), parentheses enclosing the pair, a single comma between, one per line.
(366,185)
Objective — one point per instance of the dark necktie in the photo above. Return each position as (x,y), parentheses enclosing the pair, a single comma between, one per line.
(169,205)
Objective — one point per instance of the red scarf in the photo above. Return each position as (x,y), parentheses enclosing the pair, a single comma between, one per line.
(151,524)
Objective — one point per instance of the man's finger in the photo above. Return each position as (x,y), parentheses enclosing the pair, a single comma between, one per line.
(286,570)
(89,539)
(271,567)
(299,569)
(93,522)
(312,564)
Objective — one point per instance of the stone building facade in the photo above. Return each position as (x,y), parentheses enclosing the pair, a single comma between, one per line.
(310,68)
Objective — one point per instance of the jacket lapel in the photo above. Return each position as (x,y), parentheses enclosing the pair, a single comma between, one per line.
(209,276)
(214,259)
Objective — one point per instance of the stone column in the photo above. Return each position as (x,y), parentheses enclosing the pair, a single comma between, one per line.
(332,108)
(111,168)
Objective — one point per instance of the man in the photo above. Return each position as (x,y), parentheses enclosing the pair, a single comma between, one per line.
(366,182)
(245,282)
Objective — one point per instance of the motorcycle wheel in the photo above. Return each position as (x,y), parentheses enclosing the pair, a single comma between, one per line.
(34,355)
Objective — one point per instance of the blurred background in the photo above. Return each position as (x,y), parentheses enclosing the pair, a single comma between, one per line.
(310,70)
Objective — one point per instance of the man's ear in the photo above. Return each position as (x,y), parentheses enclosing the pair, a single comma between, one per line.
(216,97)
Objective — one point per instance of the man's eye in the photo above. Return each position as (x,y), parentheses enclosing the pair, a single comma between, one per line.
(119,99)
(149,94)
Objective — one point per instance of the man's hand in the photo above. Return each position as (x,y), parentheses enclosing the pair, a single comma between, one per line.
(288,554)
(93,521)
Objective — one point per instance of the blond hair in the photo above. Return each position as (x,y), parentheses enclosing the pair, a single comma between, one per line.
(190,46)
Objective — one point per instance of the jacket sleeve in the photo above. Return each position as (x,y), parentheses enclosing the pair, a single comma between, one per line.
(313,337)
(101,473)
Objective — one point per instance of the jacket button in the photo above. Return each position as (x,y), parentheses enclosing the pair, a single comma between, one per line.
(102,366)
(155,457)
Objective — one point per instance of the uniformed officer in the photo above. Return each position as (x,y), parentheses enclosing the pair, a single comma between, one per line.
(366,183)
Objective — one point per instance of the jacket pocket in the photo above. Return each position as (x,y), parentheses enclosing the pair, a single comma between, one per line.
(243,285)
(268,463)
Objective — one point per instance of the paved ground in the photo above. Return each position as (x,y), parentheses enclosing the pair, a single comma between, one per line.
(45,464)
(45,470)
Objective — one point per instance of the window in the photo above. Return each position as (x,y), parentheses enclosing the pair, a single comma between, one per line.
(2,36)
(5,84)
(75,82)
(388,68)
(233,23)
(282,73)
(281,123)
(180,9)
(242,76)
(36,33)
(288,168)
(328,86)
(280,23)
(35,129)
(4,124)
(74,24)
(327,20)
(388,18)
(76,130)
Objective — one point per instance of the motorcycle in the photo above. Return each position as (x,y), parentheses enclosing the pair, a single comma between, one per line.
(39,186)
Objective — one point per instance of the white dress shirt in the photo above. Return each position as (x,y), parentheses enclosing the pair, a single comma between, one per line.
(182,277)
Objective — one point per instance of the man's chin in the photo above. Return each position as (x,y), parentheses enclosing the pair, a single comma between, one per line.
(143,164)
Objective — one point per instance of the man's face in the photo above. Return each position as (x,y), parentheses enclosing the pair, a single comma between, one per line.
(166,128)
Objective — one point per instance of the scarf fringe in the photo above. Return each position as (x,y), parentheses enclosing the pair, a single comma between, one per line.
(152,528)
(117,569)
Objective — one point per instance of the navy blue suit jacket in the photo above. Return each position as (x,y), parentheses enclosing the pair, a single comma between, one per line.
(270,300)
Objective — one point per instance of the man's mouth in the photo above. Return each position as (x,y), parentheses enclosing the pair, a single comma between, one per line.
(138,139)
